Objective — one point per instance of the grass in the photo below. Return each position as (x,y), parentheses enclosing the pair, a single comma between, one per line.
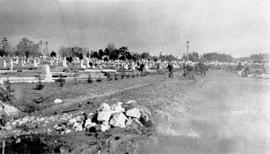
(30,100)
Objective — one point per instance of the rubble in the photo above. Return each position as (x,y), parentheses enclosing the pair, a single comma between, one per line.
(103,119)
(117,108)
(135,112)
(118,120)
(104,115)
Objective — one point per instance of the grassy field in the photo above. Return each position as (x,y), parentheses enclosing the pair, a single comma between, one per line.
(31,100)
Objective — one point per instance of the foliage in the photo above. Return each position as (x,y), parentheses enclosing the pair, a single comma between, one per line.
(214,56)
(4,47)
(260,57)
(167,58)
(27,48)
(53,54)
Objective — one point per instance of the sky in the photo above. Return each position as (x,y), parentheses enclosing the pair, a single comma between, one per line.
(236,27)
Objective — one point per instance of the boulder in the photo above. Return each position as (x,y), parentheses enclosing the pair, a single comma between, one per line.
(104,115)
(129,104)
(88,124)
(77,127)
(135,113)
(104,107)
(117,108)
(103,127)
(118,120)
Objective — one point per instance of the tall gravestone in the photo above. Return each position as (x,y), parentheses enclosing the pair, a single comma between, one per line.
(46,75)
(11,64)
(35,63)
(81,64)
(87,63)
(5,63)
(132,66)
(64,61)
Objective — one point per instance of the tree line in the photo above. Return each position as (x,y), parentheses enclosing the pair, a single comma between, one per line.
(26,47)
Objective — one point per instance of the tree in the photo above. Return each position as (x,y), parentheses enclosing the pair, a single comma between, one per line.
(110,47)
(5,47)
(27,48)
(53,54)
(214,56)
(194,56)
(145,55)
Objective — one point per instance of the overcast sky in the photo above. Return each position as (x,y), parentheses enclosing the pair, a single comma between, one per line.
(237,27)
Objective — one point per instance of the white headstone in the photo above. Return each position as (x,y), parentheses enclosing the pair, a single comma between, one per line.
(5,63)
(146,67)
(87,63)
(125,67)
(132,66)
(35,63)
(81,64)
(46,74)
(64,62)
(11,64)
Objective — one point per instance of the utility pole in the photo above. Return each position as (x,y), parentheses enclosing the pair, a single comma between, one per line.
(187,50)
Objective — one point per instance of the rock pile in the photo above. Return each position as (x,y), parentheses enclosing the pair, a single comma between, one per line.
(118,115)
(122,115)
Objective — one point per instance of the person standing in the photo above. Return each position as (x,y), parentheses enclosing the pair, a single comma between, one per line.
(170,68)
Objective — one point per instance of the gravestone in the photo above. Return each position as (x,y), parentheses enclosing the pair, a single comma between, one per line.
(81,64)
(132,66)
(64,62)
(5,63)
(35,63)
(87,63)
(11,65)
(46,75)
(146,67)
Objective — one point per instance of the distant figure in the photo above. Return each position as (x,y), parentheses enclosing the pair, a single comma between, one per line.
(202,68)
(170,68)
(141,67)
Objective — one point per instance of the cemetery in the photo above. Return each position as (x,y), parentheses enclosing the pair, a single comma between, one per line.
(107,104)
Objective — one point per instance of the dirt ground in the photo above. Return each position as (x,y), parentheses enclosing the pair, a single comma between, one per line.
(219,113)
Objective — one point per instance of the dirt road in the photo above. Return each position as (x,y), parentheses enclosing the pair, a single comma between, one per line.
(220,113)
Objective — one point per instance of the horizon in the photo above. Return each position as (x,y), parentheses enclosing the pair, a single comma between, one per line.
(237,28)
